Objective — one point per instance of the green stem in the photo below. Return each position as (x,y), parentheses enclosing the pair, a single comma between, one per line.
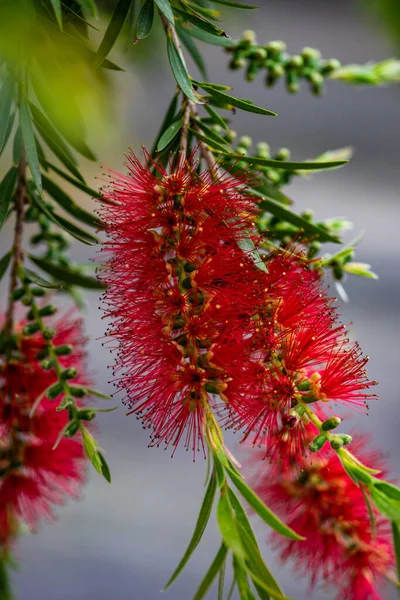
(5,584)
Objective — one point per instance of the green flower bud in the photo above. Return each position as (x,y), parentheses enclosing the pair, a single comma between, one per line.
(63,350)
(72,429)
(38,291)
(328,66)
(295,62)
(313,249)
(283,154)
(317,443)
(27,300)
(18,294)
(48,310)
(30,329)
(310,54)
(77,391)
(230,135)
(249,36)
(36,239)
(275,47)
(55,390)
(236,64)
(292,82)
(258,54)
(47,364)
(69,373)
(245,142)
(331,423)
(263,150)
(86,414)
(49,333)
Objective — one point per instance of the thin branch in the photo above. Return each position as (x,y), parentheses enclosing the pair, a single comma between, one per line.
(18,255)
(183,143)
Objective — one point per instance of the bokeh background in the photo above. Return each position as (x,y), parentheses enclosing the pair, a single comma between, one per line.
(123,541)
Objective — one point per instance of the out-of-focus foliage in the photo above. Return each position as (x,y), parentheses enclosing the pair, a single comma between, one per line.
(387,12)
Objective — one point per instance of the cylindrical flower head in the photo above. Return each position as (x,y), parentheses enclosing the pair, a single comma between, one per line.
(33,476)
(325,506)
(181,293)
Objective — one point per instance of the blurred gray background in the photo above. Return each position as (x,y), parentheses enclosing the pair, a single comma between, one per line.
(123,541)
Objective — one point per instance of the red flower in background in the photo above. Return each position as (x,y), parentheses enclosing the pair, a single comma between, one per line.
(325,506)
(33,475)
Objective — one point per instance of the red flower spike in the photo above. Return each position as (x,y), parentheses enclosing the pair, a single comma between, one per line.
(33,476)
(325,506)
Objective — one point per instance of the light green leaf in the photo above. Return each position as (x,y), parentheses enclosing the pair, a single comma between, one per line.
(28,138)
(145,21)
(113,30)
(68,204)
(200,527)
(6,193)
(169,134)
(246,244)
(259,507)
(344,153)
(242,582)
(4,262)
(166,9)
(211,573)
(396,545)
(56,6)
(179,71)
(227,526)
(360,269)
(67,275)
(385,501)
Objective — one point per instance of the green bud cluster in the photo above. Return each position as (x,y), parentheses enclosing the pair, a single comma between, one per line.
(275,60)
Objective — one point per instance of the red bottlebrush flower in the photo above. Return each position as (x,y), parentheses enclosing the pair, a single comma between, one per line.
(325,506)
(33,476)
(180,293)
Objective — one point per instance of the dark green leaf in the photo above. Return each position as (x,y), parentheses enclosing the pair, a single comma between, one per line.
(67,274)
(275,193)
(199,22)
(179,71)
(56,6)
(113,30)
(396,545)
(89,6)
(207,140)
(6,193)
(17,146)
(168,119)
(105,469)
(385,503)
(287,166)
(4,262)
(210,133)
(276,209)
(169,134)
(201,524)
(166,9)
(28,138)
(259,507)
(68,204)
(211,573)
(71,228)
(208,38)
(193,51)
(78,184)
(145,21)
(236,4)
(6,98)
(5,583)
(215,117)
(237,102)
(37,280)
(227,526)
(7,134)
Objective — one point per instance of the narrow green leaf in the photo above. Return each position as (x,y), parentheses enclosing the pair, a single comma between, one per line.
(287,166)
(200,527)
(28,138)
(145,21)
(56,6)
(221,581)
(8,130)
(340,154)
(4,262)
(210,133)
(259,507)
(71,228)
(17,146)
(211,573)
(168,119)
(68,204)
(236,4)
(6,98)
(6,193)
(370,510)
(67,275)
(199,21)
(166,10)
(227,526)
(5,582)
(390,490)
(387,505)
(81,186)
(105,469)
(91,449)
(207,140)
(216,118)
(90,7)
(169,134)
(246,244)
(208,38)
(113,30)
(179,71)
(94,392)
(37,280)
(193,51)
(236,102)
(311,229)
(240,575)
(396,545)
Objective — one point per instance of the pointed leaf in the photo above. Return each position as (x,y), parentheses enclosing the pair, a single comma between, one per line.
(67,275)
(208,38)
(145,21)
(6,193)
(169,134)
(216,118)
(211,573)
(259,507)
(201,525)
(179,71)
(227,526)
(37,280)
(68,204)
(236,4)
(166,9)
(287,166)
(236,102)
(113,30)
(81,186)
(199,21)
(193,50)
(28,138)
(56,6)
(243,585)
(105,469)
(4,262)
(385,503)
(396,545)
(89,6)
(6,98)
(7,134)
(170,116)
